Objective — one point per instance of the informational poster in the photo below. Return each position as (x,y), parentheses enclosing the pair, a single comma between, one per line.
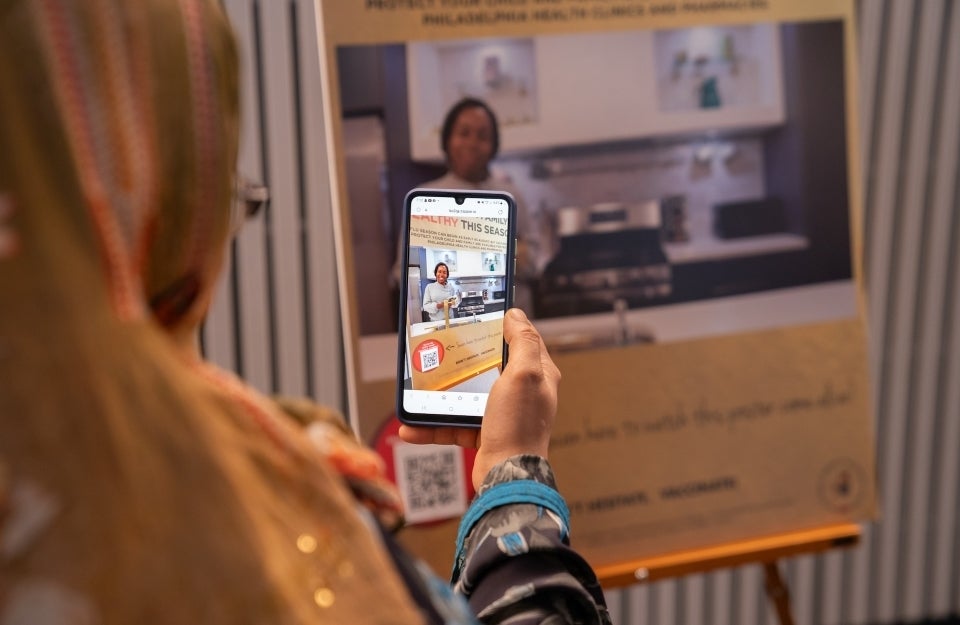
(687,178)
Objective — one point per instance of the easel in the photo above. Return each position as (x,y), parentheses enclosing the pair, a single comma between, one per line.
(765,550)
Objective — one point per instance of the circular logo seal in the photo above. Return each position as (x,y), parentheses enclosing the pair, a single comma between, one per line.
(427,355)
(842,485)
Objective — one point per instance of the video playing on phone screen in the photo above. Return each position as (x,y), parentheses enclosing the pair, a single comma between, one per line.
(457,284)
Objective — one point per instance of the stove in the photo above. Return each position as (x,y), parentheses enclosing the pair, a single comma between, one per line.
(471,303)
(610,254)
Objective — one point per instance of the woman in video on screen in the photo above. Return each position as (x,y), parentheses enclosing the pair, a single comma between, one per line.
(470,140)
(440,294)
(141,484)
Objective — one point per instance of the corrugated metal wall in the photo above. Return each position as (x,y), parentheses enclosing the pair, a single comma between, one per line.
(276,318)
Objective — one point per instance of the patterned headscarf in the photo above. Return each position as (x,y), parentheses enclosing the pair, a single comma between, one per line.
(133,488)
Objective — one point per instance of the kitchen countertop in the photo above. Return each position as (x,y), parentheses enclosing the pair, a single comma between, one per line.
(814,303)
(712,248)
(429,326)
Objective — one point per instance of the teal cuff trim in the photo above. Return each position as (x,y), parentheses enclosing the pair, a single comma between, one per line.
(514,492)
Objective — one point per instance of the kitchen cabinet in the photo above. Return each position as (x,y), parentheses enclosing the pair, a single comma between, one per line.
(557,90)
(718,78)
(464,263)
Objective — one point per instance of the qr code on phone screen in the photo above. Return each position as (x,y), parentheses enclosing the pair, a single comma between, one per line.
(431,481)
(429,359)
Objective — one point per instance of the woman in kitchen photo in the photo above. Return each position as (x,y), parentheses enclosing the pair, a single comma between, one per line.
(470,140)
(440,294)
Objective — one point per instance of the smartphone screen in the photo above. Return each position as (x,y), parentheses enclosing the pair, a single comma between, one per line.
(456,285)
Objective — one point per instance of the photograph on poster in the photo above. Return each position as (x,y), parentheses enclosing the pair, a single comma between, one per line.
(673,184)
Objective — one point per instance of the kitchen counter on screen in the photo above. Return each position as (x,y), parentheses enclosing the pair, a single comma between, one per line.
(432,326)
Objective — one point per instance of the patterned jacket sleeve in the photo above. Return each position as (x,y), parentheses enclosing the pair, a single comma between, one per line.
(514,563)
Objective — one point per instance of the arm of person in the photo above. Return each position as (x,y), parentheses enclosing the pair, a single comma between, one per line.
(516,532)
(431,305)
(514,561)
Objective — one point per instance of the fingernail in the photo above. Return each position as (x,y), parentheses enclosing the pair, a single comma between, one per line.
(518,314)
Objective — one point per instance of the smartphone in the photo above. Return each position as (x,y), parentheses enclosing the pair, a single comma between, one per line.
(456,282)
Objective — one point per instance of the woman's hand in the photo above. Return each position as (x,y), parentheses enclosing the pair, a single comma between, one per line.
(520,411)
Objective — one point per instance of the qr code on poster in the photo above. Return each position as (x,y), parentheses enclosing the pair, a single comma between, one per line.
(431,481)
(429,359)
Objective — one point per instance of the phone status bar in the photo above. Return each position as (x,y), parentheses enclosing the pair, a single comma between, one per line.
(470,206)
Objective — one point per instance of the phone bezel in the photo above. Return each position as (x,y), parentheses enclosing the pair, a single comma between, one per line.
(447,420)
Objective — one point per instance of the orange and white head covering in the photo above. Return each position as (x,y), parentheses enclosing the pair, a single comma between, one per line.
(133,488)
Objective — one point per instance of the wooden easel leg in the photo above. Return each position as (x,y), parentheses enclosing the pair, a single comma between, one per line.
(777,592)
